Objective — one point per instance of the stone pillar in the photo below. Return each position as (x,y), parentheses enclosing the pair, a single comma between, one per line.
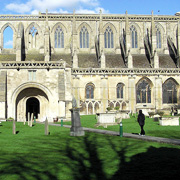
(76,89)
(101,40)
(46,41)
(153,35)
(128,39)
(158,92)
(104,93)
(132,93)
(74,34)
(3,98)
(156,60)
(76,129)
(178,43)
(130,60)
(75,59)
(103,60)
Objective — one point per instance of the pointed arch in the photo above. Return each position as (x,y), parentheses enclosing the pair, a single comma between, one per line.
(120,90)
(124,106)
(96,107)
(90,108)
(86,25)
(35,25)
(134,36)
(59,37)
(143,90)
(6,25)
(59,24)
(89,91)
(170,91)
(84,37)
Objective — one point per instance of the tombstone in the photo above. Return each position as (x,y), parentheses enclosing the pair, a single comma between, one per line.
(46,127)
(76,129)
(14,127)
(31,120)
(28,118)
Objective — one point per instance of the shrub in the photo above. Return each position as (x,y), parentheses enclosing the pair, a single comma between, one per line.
(10,119)
(117,108)
(109,108)
(160,113)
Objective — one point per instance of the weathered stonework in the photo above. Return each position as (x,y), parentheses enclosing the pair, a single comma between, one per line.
(38,76)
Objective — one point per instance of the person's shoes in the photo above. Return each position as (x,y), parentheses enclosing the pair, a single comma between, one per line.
(143,135)
(140,134)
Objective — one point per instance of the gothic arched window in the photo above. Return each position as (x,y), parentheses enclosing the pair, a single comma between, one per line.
(59,38)
(169,92)
(143,92)
(158,38)
(108,38)
(119,89)
(90,91)
(84,38)
(33,37)
(134,42)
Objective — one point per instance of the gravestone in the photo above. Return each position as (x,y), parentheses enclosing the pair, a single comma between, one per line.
(31,120)
(46,127)
(76,129)
(14,126)
(28,118)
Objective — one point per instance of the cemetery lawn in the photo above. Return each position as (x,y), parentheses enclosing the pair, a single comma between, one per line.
(131,126)
(31,155)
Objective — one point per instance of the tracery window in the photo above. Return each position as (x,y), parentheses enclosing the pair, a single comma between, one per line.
(119,89)
(33,37)
(84,38)
(90,91)
(108,38)
(134,42)
(169,92)
(59,38)
(158,38)
(143,92)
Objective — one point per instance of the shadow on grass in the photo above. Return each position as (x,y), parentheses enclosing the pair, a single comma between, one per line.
(91,157)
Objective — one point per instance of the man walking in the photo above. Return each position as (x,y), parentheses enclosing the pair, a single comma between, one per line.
(141,121)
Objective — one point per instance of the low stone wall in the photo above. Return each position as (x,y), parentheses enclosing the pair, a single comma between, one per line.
(169,121)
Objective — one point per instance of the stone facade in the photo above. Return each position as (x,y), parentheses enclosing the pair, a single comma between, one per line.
(59,56)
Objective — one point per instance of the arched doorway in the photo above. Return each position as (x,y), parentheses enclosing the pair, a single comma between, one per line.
(32,100)
(32,107)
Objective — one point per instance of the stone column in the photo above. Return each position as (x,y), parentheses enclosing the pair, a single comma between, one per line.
(76,89)
(103,60)
(104,93)
(158,92)
(75,59)
(153,35)
(132,93)
(3,98)
(130,60)
(128,39)
(156,60)
(178,43)
(76,129)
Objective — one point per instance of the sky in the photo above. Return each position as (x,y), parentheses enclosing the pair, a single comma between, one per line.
(161,7)
(141,7)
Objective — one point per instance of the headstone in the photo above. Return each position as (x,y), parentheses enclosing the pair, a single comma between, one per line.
(31,120)
(14,126)
(28,118)
(46,127)
(76,129)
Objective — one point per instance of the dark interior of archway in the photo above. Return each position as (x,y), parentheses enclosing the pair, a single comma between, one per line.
(32,106)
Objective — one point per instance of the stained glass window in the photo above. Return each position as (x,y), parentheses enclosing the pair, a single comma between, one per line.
(59,38)
(89,91)
(84,38)
(158,38)
(143,92)
(169,92)
(108,38)
(120,90)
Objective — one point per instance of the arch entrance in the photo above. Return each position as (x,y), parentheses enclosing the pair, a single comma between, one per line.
(32,107)
(34,101)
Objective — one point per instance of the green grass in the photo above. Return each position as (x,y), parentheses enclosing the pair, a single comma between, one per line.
(31,155)
(131,126)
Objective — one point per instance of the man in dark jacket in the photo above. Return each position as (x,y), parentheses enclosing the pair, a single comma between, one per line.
(141,121)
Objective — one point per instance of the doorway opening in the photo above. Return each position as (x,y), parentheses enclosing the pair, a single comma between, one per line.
(32,107)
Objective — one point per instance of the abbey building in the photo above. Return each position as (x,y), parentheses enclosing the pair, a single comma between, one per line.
(129,61)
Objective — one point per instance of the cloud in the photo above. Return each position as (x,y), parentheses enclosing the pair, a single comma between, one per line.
(8,43)
(94,11)
(61,6)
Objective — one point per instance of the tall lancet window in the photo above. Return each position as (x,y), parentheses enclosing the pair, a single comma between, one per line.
(158,38)
(169,92)
(84,38)
(134,41)
(143,92)
(59,38)
(108,38)
(33,37)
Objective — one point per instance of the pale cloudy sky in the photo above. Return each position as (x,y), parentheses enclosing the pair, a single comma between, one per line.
(163,7)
